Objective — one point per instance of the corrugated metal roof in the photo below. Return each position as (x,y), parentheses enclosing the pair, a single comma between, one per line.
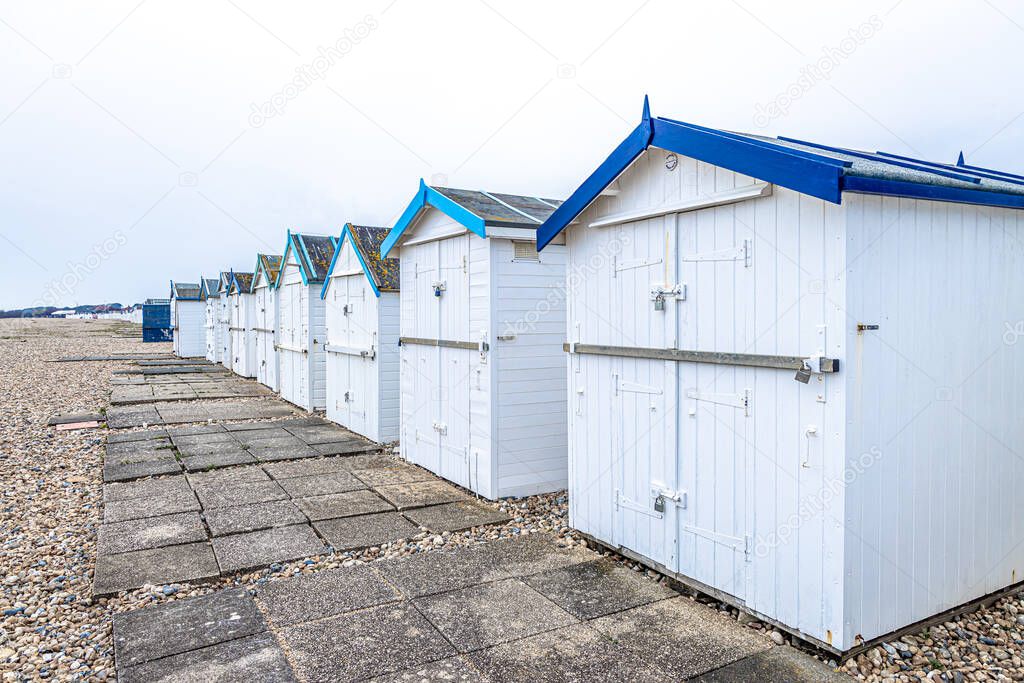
(508,210)
(367,241)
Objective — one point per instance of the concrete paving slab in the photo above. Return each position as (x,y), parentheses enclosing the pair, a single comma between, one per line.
(308,420)
(777,665)
(253,517)
(349,504)
(70,418)
(191,430)
(321,484)
(446,570)
(148,634)
(186,441)
(146,488)
(490,614)
(224,477)
(212,461)
(147,453)
(305,468)
(137,470)
(278,438)
(125,437)
(344,448)
(369,460)
(245,660)
(362,644)
(681,638)
(594,589)
(419,494)
(324,594)
(456,669)
(172,564)
(574,653)
(241,552)
(321,434)
(122,417)
(274,453)
(395,474)
(154,506)
(364,531)
(239,493)
(151,532)
(457,516)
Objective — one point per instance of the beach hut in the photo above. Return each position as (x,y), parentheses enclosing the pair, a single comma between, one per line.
(362,310)
(223,321)
(156,320)
(211,301)
(482,323)
(301,325)
(187,319)
(242,324)
(793,379)
(264,289)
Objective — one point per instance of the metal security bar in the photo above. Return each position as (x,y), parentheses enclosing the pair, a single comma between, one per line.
(446,343)
(827,365)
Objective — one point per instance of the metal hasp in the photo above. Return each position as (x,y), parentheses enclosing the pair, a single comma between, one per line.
(817,364)
(446,343)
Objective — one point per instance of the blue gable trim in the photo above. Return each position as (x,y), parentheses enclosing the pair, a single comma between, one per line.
(338,243)
(284,261)
(801,170)
(805,172)
(428,196)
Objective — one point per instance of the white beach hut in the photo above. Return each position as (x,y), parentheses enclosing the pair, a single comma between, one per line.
(242,325)
(264,289)
(362,311)
(482,325)
(301,327)
(188,314)
(792,381)
(211,301)
(223,321)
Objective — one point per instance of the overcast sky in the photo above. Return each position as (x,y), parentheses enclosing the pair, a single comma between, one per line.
(144,141)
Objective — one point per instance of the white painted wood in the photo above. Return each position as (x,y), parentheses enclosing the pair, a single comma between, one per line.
(243,335)
(265,310)
(493,422)
(301,335)
(225,353)
(188,318)
(212,329)
(361,351)
(845,508)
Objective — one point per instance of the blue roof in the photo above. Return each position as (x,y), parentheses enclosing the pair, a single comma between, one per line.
(475,209)
(814,169)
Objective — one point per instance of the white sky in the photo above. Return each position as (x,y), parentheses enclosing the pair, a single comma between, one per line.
(127,127)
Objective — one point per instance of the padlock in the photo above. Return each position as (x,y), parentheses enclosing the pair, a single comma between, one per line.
(659,504)
(803,375)
(659,302)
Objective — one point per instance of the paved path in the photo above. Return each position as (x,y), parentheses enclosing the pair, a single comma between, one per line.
(255,494)
(520,609)
(195,502)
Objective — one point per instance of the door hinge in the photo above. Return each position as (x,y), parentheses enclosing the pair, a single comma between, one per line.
(740,253)
(740,400)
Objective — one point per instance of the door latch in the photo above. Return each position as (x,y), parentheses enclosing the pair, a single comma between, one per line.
(659,294)
(439,286)
(816,365)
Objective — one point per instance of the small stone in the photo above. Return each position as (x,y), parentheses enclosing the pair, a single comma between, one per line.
(777,638)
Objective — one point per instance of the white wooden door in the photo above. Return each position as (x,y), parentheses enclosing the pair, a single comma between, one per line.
(645,483)
(362,338)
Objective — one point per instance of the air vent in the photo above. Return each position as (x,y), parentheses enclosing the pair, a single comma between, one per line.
(525,251)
